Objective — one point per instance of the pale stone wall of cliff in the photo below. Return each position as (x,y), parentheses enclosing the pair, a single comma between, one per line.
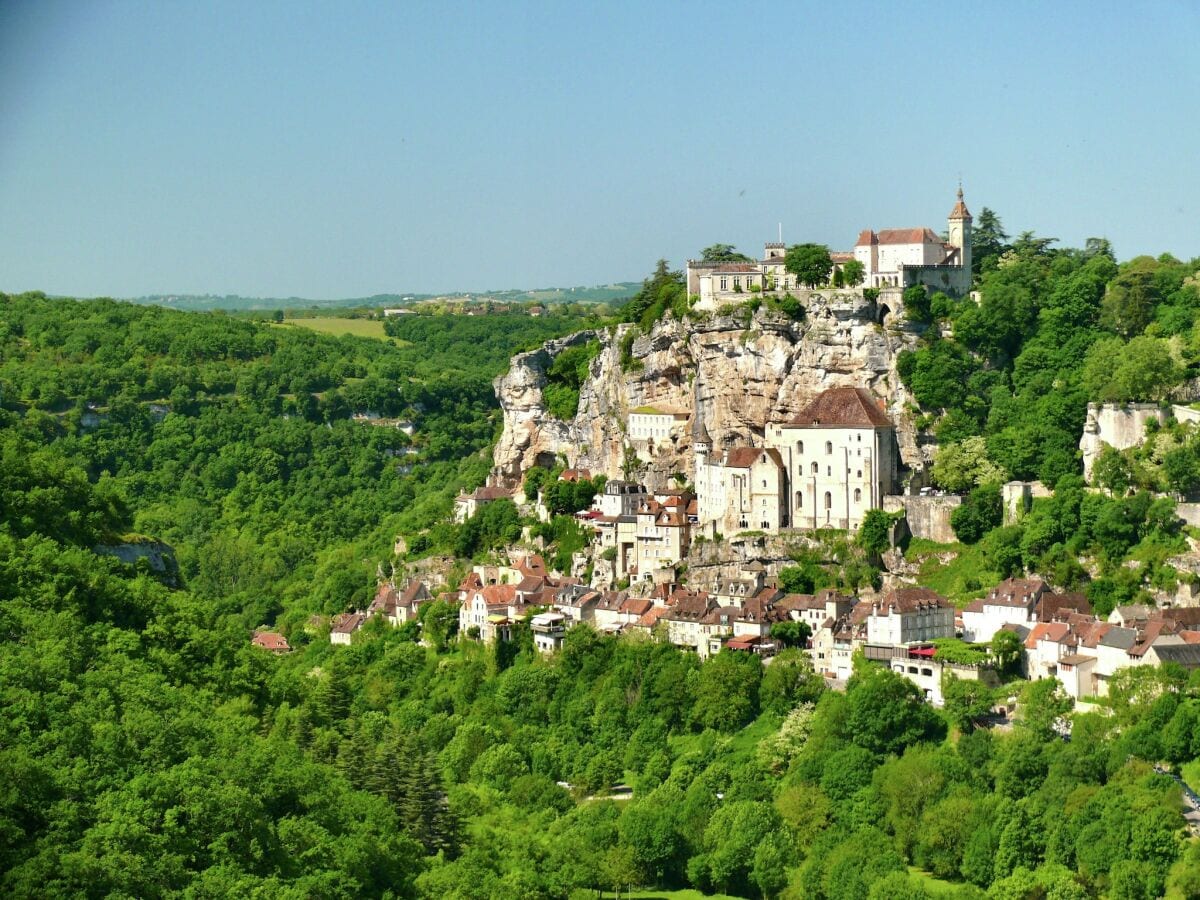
(740,372)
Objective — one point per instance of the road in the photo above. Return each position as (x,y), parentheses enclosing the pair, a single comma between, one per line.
(1190,798)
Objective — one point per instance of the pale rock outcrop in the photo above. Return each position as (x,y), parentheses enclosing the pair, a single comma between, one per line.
(740,371)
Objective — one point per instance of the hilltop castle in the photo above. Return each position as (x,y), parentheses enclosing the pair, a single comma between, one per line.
(891,258)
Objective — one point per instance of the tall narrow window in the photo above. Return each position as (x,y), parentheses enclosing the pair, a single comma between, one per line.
(814,468)
(828,448)
(799,446)
(828,500)
(858,495)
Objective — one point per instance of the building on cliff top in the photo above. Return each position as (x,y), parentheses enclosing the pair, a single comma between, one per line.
(891,258)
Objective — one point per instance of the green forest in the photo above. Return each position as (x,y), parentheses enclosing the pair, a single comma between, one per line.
(148,750)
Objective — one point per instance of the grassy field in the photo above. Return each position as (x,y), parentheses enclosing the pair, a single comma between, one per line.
(961,580)
(936,886)
(687,894)
(372,328)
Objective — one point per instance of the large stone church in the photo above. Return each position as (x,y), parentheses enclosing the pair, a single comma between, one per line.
(824,469)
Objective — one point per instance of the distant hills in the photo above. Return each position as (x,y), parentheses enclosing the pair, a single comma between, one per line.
(595,294)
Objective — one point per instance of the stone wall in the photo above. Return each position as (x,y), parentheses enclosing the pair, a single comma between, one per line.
(1117,425)
(928,516)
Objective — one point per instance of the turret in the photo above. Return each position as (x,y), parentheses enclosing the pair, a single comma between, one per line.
(959,230)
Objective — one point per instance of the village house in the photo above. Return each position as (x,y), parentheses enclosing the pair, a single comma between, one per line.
(466,505)
(272,641)
(918,665)
(399,606)
(342,627)
(743,490)
(662,533)
(549,629)
(909,615)
(656,424)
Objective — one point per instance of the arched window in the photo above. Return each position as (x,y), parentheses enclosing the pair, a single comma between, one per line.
(814,468)
(858,495)
(828,500)
(799,446)
(828,448)
(799,499)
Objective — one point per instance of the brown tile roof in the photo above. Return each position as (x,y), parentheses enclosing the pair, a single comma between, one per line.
(650,618)
(472,581)
(271,640)
(911,599)
(575,475)
(1056,606)
(531,584)
(1017,592)
(414,592)
(490,493)
(1047,631)
(637,606)
(736,267)
(908,236)
(745,457)
(531,565)
(348,623)
(1180,616)
(499,594)
(846,407)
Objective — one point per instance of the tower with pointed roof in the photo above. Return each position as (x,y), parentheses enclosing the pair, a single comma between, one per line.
(959,232)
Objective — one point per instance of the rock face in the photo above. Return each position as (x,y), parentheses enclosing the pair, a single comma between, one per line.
(739,371)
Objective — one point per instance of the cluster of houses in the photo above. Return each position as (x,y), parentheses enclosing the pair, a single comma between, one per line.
(898,628)
(890,258)
(1063,640)
(1060,636)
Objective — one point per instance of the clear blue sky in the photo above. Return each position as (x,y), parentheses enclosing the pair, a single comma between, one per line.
(344,149)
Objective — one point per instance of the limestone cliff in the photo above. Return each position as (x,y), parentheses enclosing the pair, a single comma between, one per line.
(741,371)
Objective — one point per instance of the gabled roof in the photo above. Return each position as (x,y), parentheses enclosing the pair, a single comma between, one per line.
(745,457)
(843,407)
(271,640)
(1184,654)
(1054,606)
(531,565)
(499,594)
(1047,631)
(911,599)
(897,236)
(1016,592)
(348,623)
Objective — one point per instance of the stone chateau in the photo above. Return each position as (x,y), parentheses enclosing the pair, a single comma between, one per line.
(891,258)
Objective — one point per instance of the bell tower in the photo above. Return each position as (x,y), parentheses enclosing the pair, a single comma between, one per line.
(959,232)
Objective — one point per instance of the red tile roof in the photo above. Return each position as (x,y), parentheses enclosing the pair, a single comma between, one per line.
(844,407)
(271,640)
(910,599)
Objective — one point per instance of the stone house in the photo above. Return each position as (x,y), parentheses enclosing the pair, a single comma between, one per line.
(1012,602)
(272,641)
(742,491)
(466,505)
(909,615)
(342,627)
(663,534)
(399,606)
